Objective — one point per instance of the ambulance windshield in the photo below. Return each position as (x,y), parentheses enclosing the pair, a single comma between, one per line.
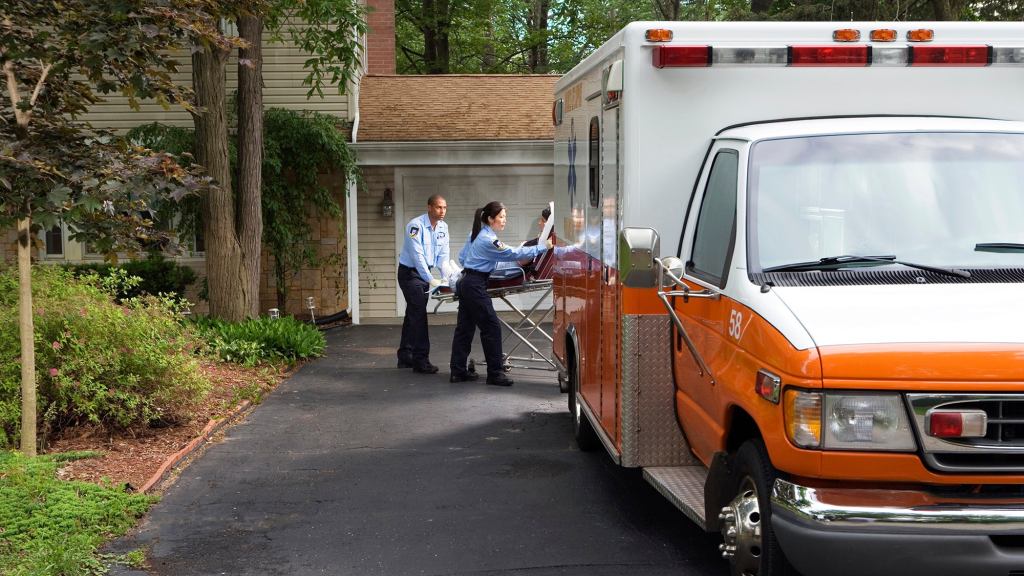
(931,198)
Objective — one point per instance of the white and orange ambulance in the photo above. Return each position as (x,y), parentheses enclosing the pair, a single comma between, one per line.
(790,285)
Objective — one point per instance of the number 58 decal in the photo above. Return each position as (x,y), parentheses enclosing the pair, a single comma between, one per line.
(735,324)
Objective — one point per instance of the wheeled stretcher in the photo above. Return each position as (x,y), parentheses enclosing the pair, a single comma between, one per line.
(535,277)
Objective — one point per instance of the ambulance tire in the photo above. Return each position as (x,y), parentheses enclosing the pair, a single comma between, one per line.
(583,431)
(753,470)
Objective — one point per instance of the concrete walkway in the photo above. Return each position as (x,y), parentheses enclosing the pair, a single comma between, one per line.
(355,467)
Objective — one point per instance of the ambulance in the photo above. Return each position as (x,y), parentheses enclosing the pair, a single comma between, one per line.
(790,285)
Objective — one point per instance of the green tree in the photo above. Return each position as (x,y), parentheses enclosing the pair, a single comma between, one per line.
(232,218)
(539,36)
(58,58)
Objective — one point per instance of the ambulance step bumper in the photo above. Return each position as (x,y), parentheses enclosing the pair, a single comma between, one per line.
(842,532)
(681,485)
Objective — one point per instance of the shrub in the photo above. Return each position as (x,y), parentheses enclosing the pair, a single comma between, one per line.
(157,275)
(54,527)
(262,339)
(120,366)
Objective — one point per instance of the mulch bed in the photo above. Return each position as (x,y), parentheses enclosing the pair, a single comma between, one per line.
(134,457)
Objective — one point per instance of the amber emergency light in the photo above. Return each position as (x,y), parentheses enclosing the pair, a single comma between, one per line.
(883,35)
(920,35)
(846,35)
(658,35)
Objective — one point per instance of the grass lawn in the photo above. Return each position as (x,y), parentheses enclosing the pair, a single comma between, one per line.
(53,527)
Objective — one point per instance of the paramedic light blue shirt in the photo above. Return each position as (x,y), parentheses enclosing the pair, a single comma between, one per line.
(425,246)
(486,251)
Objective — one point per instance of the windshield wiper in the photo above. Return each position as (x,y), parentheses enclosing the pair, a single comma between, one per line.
(848,260)
(999,247)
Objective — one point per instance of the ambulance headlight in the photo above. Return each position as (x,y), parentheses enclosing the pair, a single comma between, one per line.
(861,421)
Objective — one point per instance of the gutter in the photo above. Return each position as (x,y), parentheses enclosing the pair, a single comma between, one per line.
(351,205)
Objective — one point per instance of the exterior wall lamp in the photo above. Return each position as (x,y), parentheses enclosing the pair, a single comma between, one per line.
(387,207)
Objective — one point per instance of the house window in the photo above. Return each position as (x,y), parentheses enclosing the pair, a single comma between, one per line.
(54,240)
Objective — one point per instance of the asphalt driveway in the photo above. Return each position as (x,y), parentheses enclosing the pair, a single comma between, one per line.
(355,467)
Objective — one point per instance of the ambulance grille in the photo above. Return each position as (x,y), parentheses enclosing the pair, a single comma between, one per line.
(872,276)
(1000,450)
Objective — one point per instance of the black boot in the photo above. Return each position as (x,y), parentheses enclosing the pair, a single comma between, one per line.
(499,379)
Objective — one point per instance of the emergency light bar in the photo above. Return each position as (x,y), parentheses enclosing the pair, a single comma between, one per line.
(837,55)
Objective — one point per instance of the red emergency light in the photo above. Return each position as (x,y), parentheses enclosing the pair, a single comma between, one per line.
(829,55)
(681,56)
(950,55)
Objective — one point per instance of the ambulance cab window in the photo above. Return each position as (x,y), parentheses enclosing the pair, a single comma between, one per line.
(594,162)
(716,222)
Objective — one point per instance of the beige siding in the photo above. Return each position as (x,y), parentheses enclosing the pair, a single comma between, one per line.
(282,77)
(377,266)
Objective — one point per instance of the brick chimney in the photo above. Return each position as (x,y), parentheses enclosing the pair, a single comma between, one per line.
(380,39)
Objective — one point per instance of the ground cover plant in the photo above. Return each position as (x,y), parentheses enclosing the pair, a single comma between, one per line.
(121,366)
(260,340)
(157,275)
(50,526)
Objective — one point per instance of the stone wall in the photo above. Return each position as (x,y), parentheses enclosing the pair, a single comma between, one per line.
(327,283)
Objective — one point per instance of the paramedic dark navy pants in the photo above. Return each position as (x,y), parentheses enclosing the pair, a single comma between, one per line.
(476,311)
(415,346)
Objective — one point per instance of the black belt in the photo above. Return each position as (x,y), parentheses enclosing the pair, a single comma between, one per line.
(471,272)
(404,267)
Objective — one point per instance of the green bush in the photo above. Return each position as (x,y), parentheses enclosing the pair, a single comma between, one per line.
(262,339)
(120,366)
(157,275)
(52,527)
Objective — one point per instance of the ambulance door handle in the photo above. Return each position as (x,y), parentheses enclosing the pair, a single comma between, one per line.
(702,367)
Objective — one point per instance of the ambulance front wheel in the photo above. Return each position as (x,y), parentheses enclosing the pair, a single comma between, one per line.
(749,541)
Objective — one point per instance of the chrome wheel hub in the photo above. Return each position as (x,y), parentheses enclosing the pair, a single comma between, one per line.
(741,531)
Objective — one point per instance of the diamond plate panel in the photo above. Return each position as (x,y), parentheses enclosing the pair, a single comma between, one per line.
(683,486)
(650,433)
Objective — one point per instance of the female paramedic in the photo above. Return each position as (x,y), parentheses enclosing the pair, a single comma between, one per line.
(479,256)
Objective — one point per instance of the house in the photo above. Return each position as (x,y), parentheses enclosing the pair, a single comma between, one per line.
(470,138)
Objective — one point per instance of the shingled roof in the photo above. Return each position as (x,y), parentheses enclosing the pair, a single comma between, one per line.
(455,107)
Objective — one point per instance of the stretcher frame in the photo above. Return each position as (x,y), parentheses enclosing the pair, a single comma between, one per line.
(528,324)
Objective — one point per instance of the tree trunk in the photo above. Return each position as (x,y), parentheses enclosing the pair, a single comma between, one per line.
(435,36)
(538,60)
(250,154)
(760,6)
(227,279)
(488,57)
(668,9)
(28,347)
(946,10)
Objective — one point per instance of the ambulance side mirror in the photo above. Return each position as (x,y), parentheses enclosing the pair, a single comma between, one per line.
(637,250)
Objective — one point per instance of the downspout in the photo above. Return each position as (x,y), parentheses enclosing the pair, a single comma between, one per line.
(351,205)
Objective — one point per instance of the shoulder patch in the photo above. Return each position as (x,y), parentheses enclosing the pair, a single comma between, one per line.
(414,231)
(498,244)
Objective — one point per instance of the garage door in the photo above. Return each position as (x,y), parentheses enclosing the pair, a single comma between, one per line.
(525,191)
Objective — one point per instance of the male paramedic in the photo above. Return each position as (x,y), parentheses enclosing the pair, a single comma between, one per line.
(425,247)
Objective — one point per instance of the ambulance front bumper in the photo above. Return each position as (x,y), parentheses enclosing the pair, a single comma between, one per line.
(843,532)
